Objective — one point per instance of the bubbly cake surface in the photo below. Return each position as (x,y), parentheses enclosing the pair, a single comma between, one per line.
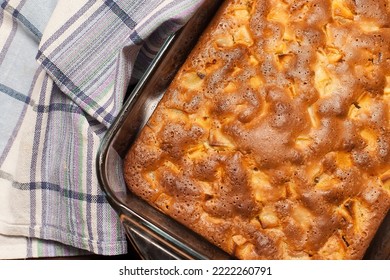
(273,141)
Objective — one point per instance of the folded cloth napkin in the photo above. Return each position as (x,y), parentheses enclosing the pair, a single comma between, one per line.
(65,66)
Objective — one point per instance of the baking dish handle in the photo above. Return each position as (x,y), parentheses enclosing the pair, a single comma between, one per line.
(149,245)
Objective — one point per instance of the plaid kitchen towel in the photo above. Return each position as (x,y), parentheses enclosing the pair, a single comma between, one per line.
(65,66)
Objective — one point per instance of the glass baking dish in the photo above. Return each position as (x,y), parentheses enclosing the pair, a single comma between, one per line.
(153,234)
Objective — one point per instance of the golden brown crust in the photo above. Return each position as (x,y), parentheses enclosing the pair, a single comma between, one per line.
(273,141)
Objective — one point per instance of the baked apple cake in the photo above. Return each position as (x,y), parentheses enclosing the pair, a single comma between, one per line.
(273,140)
